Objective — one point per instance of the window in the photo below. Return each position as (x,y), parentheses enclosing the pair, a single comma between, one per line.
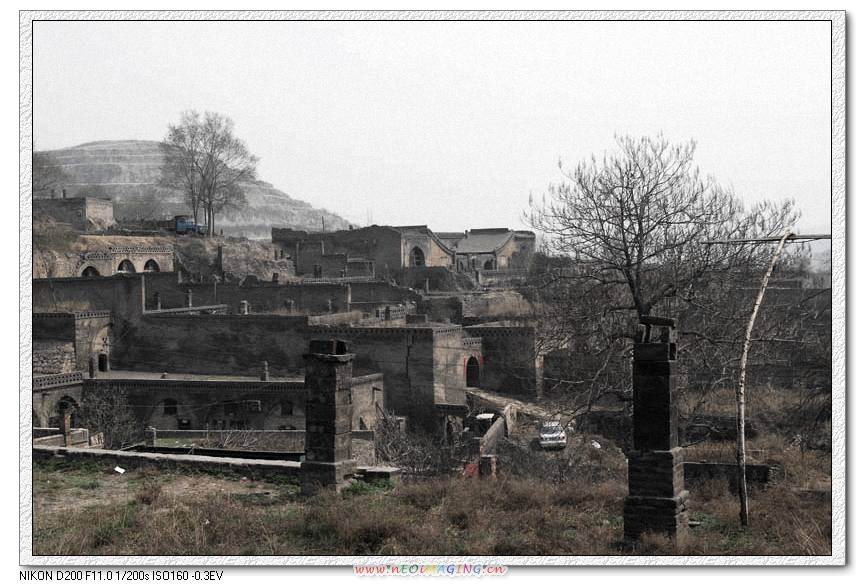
(417,257)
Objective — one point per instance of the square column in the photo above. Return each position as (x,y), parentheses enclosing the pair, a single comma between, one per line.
(328,463)
(657,499)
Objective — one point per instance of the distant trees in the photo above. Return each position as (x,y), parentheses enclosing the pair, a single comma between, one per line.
(208,163)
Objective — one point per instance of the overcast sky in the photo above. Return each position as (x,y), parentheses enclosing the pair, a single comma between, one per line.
(453,124)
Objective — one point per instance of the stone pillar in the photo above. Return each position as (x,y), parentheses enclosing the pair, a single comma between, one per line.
(91,367)
(328,463)
(657,499)
(426,285)
(189,298)
(265,371)
(244,307)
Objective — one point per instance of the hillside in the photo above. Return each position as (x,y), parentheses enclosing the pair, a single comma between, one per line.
(127,171)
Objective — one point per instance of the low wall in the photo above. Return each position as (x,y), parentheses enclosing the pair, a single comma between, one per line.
(488,442)
(248,467)
(285,440)
(755,474)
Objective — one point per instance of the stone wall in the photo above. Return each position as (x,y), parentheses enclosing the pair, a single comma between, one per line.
(217,344)
(123,295)
(69,337)
(265,297)
(52,356)
(510,361)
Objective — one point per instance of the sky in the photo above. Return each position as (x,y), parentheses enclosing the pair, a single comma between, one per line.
(454,124)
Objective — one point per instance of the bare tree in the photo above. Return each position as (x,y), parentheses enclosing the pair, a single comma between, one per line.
(626,236)
(639,218)
(106,409)
(208,163)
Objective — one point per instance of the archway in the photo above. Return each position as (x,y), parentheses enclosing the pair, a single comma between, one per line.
(126,266)
(90,272)
(151,266)
(417,257)
(489,265)
(169,407)
(69,405)
(473,372)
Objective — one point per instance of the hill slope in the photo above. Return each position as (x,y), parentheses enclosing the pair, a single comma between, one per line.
(127,171)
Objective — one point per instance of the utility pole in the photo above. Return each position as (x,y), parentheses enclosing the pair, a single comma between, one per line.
(743,361)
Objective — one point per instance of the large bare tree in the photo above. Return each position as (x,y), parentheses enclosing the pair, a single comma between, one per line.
(640,218)
(205,160)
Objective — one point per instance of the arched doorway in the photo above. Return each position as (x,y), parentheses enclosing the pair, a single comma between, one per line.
(126,266)
(151,266)
(90,272)
(169,407)
(65,405)
(417,257)
(103,362)
(473,372)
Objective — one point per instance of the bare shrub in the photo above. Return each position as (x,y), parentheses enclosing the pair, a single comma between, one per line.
(418,453)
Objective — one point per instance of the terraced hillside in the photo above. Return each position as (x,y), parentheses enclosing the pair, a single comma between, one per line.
(127,171)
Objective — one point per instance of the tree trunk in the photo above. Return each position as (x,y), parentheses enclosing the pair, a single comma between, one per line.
(740,391)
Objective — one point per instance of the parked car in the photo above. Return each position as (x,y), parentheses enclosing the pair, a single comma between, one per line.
(551,435)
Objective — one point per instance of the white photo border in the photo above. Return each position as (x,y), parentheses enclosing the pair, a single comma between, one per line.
(838,251)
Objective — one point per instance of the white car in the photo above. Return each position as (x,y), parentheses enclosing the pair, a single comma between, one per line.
(551,435)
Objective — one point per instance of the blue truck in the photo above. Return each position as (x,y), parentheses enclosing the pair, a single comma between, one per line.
(186,225)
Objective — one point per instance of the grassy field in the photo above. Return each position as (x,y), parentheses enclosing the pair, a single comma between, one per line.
(87,509)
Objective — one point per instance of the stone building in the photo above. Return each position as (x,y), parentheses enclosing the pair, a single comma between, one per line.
(490,249)
(371,251)
(66,341)
(84,214)
(387,251)
(125,259)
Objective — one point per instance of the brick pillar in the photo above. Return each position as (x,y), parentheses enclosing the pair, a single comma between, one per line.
(657,499)
(328,463)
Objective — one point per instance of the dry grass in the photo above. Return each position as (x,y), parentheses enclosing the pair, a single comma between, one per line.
(167,514)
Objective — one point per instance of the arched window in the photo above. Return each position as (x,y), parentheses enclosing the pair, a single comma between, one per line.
(489,265)
(473,372)
(417,257)
(151,266)
(126,266)
(169,407)
(90,272)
